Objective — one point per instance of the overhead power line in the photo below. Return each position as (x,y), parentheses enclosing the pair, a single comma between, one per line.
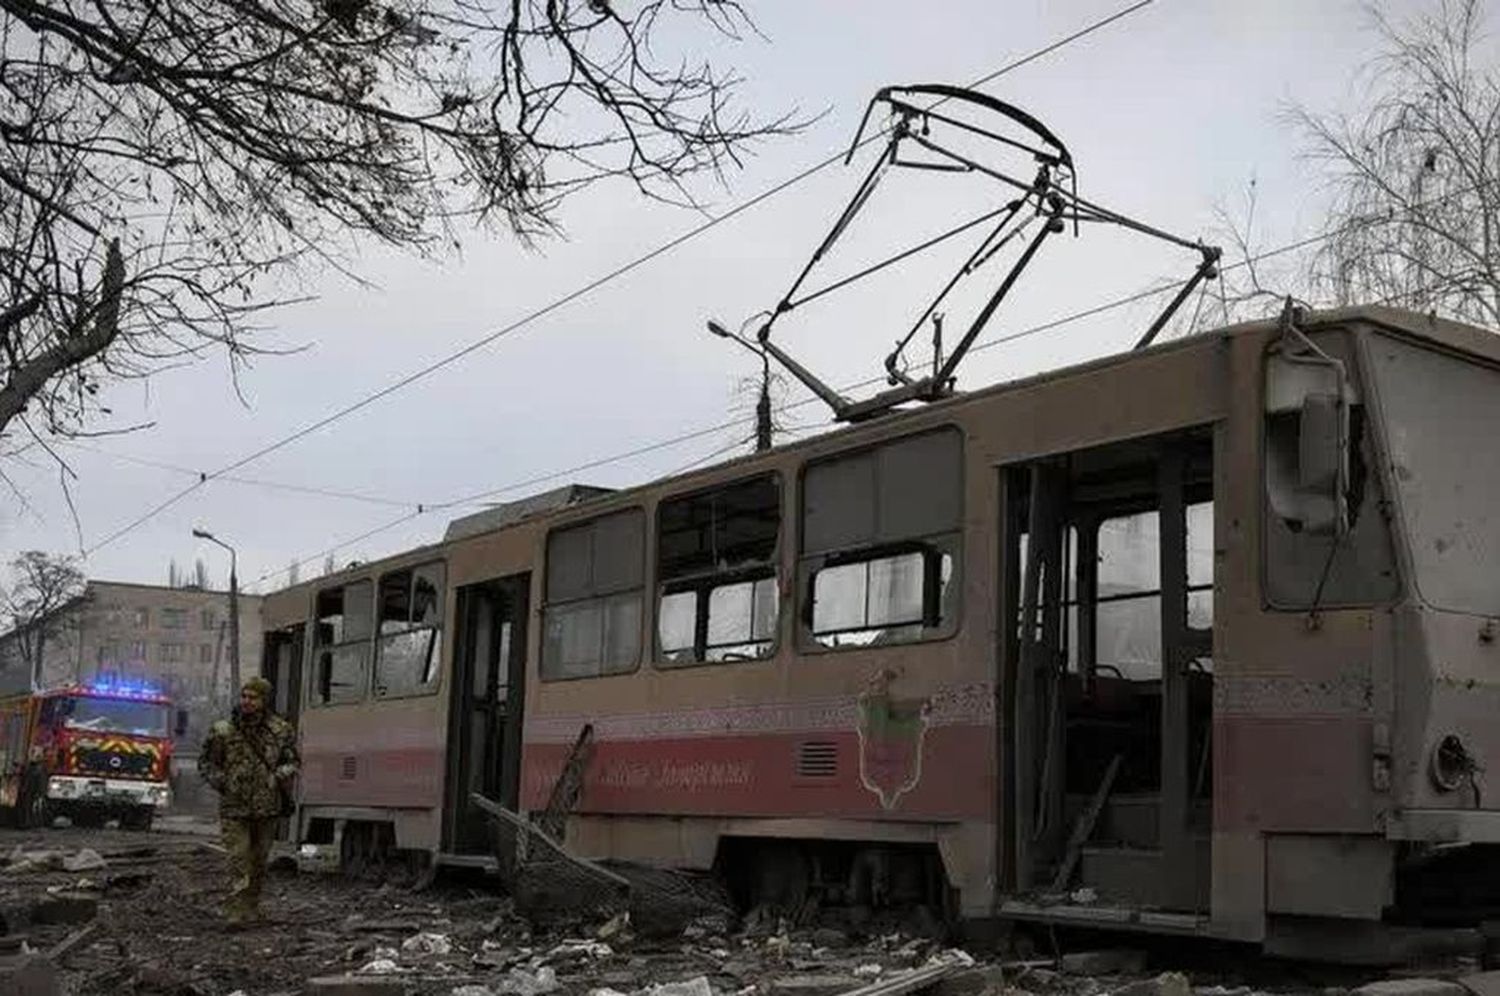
(233,479)
(426,371)
(980,346)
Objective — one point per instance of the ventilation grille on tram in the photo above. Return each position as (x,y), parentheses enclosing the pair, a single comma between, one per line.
(817,759)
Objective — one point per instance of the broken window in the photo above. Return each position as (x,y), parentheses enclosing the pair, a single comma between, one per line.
(345,621)
(592,620)
(409,648)
(716,572)
(881,531)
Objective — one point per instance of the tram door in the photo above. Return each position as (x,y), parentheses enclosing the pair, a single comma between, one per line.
(488,693)
(281,665)
(1111,672)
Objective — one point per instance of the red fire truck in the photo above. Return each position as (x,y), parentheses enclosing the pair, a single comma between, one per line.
(90,753)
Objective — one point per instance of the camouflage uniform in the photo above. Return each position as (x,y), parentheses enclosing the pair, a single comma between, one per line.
(242,758)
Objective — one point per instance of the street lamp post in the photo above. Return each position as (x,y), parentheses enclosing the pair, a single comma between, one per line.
(234,608)
(763,439)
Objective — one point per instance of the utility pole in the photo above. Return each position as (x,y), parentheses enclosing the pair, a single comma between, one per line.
(234,607)
(763,425)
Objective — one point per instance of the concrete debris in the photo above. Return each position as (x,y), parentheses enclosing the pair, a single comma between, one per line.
(522,982)
(427,943)
(1412,987)
(471,990)
(690,987)
(571,949)
(86,859)
(1084,896)
(868,971)
(1165,984)
(614,926)
(824,984)
(380,966)
(606,991)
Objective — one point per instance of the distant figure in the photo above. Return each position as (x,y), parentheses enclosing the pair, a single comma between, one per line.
(250,759)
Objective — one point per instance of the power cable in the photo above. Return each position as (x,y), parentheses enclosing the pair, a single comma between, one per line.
(979,347)
(249,481)
(620,271)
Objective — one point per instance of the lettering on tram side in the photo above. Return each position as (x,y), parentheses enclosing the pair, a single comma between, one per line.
(891,734)
(670,775)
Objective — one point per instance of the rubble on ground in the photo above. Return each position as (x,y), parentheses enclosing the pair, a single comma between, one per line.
(106,913)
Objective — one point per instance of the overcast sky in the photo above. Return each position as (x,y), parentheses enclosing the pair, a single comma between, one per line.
(1168,112)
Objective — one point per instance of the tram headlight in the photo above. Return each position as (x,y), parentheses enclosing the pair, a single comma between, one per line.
(1453,765)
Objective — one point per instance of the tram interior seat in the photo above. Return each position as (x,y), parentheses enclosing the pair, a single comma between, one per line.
(1116,715)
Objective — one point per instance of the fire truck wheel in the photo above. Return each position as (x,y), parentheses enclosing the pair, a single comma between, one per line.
(36,810)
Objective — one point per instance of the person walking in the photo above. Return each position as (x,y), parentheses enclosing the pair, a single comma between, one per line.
(250,759)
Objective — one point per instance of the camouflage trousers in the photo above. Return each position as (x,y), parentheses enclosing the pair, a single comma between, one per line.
(248,845)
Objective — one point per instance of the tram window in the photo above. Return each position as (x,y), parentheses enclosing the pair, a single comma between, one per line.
(716,573)
(345,621)
(592,620)
(881,531)
(1128,610)
(409,649)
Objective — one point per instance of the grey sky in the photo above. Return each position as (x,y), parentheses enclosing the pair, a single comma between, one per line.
(1168,113)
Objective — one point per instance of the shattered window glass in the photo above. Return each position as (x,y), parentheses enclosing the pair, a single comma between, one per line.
(881,534)
(342,639)
(716,572)
(408,652)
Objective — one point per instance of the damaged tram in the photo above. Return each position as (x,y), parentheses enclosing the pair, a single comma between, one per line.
(1200,638)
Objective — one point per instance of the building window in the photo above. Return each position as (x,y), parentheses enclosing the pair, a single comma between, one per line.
(881,534)
(174,618)
(343,643)
(172,653)
(205,653)
(410,642)
(108,653)
(716,573)
(207,620)
(592,620)
(142,618)
(137,652)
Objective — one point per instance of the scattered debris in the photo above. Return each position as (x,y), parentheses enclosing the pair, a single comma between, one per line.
(86,859)
(427,943)
(690,987)
(520,982)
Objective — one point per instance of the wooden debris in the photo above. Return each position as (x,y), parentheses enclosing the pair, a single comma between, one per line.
(73,940)
(526,826)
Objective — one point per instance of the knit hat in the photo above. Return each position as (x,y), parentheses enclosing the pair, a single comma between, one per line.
(259,687)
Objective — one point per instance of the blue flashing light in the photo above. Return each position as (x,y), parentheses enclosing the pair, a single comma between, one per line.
(122,688)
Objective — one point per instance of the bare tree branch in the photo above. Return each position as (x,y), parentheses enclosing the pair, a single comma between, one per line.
(161,159)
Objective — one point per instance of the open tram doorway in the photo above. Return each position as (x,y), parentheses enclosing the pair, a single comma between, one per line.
(281,665)
(1108,674)
(484,747)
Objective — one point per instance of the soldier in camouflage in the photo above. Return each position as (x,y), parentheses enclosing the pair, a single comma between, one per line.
(250,760)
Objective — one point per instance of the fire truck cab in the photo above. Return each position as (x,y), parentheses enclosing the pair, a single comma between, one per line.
(90,753)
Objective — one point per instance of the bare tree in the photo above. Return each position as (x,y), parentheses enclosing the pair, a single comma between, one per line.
(200,574)
(41,585)
(160,159)
(1415,216)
